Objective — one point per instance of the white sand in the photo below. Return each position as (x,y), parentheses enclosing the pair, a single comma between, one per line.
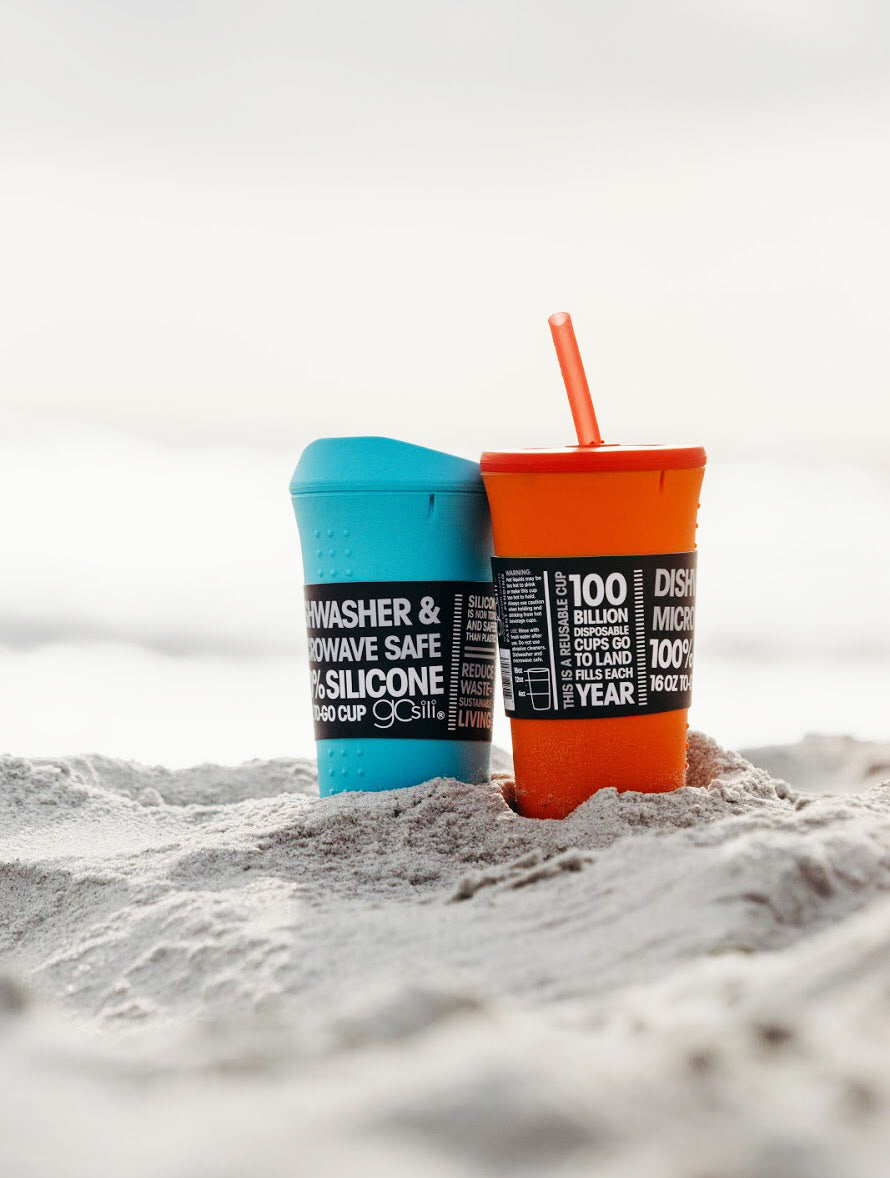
(817,763)
(214,972)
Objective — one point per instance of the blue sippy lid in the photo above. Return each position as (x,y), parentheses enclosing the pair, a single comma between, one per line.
(381,464)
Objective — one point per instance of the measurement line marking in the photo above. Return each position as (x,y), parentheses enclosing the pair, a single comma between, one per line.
(640,627)
(455,660)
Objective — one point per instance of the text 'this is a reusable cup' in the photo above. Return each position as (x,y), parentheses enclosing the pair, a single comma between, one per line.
(595,579)
(400,614)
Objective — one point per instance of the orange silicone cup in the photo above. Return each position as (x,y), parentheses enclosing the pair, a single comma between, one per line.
(560,763)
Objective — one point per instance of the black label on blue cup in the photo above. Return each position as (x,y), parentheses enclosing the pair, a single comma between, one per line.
(411,660)
(588,637)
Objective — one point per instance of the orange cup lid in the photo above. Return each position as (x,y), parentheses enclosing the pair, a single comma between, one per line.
(580,459)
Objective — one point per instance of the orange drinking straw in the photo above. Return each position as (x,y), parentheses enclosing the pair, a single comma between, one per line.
(575,381)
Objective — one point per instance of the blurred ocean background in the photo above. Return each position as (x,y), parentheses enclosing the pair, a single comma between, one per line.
(154,606)
(228,229)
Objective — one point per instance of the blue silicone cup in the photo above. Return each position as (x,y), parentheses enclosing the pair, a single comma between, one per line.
(375,509)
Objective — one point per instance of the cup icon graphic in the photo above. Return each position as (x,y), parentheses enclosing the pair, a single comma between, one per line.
(396,544)
(539,688)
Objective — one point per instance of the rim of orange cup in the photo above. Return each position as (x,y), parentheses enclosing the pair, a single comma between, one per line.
(605,457)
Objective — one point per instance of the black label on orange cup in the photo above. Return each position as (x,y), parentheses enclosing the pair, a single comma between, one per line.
(589,637)
(402,659)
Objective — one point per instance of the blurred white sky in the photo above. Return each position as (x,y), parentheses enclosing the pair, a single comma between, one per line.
(252,222)
(227,228)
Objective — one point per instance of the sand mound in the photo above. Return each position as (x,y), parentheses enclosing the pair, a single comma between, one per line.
(214,970)
(839,764)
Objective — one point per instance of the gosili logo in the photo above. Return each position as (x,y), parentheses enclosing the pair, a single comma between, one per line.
(387,712)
